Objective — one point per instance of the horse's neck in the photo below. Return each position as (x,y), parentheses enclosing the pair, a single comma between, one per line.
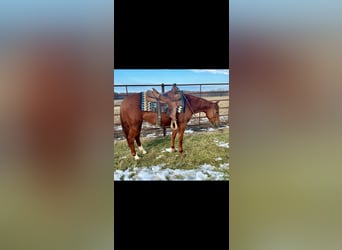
(199,104)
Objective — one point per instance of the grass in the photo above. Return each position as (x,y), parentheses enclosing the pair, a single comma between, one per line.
(199,148)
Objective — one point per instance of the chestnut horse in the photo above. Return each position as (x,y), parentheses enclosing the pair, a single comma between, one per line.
(132,117)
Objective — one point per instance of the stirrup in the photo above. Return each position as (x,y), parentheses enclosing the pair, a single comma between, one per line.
(174,125)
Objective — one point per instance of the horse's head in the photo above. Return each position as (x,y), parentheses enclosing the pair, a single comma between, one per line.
(213,114)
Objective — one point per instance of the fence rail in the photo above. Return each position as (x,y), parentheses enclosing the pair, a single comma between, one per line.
(197,121)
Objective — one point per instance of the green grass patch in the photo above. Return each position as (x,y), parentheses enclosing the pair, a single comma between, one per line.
(199,148)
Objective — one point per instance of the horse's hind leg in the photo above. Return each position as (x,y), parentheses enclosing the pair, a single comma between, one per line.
(137,139)
(141,149)
(130,140)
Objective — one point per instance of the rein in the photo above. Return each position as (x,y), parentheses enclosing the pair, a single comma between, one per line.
(186,99)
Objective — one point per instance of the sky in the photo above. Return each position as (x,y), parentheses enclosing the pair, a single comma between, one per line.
(183,76)
(290,14)
(23,15)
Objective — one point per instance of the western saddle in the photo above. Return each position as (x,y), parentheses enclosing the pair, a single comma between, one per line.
(172,98)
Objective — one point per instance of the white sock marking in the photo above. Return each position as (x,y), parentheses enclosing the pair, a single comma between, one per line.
(142,149)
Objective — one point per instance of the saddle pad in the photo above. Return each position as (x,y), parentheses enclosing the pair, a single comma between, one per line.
(152,106)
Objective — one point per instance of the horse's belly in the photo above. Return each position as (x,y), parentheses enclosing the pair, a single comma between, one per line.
(151,117)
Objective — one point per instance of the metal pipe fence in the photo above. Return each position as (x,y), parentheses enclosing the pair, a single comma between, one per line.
(203,90)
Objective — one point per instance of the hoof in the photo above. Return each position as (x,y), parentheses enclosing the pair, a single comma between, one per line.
(142,150)
(136,157)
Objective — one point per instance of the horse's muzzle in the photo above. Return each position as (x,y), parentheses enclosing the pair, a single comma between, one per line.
(215,124)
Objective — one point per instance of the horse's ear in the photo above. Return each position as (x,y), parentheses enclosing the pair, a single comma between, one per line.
(217,101)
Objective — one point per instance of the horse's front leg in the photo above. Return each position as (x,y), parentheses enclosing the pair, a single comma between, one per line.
(180,140)
(173,137)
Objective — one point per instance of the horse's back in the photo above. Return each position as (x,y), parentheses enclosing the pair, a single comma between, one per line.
(130,101)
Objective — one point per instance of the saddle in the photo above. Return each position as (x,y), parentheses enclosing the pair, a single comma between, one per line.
(172,98)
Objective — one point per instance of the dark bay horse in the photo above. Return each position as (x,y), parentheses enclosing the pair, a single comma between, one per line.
(132,117)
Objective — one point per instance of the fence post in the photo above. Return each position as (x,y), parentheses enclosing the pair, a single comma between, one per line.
(163,91)
(199,115)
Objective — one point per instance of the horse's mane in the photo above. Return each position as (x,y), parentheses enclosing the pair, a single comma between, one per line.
(195,99)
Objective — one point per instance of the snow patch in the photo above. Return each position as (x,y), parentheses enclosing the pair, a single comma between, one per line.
(151,135)
(167,150)
(221,143)
(224,165)
(204,172)
(148,125)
